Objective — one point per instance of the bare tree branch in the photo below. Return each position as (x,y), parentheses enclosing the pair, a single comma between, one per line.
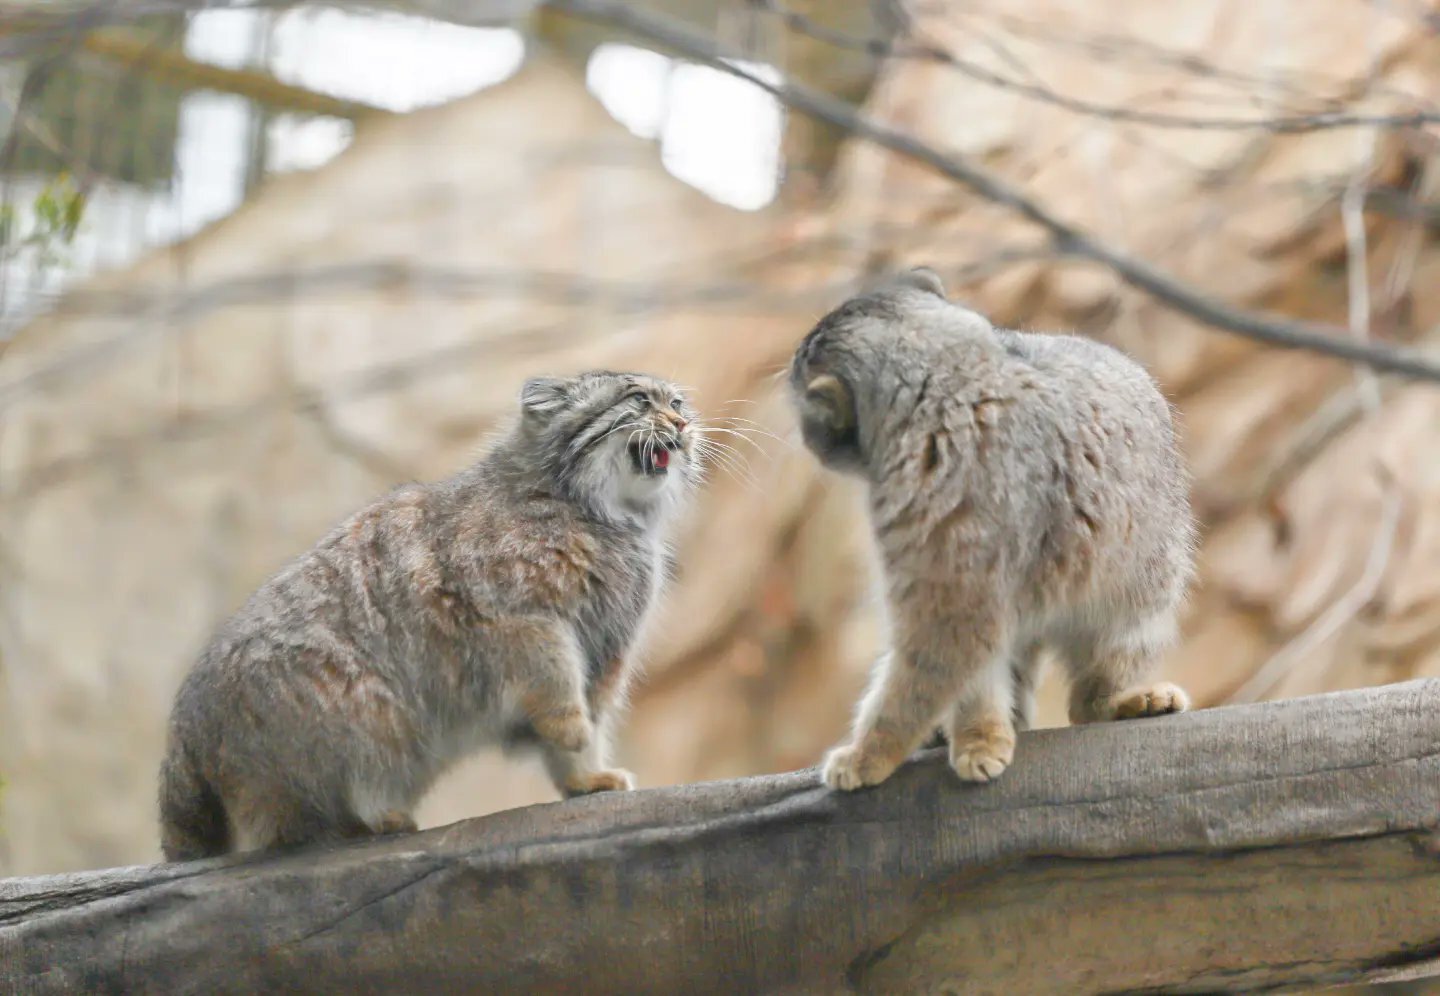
(1107,46)
(151,311)
(1282,124)
(26,27)
(119,451)
(175,67)
(1067,239)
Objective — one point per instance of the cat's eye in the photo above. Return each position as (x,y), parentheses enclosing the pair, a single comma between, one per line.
(677,403)
(639,396)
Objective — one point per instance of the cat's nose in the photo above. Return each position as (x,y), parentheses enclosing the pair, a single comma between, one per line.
(679,424)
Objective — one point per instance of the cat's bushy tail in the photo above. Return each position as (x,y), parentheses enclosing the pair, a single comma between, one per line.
(192,816)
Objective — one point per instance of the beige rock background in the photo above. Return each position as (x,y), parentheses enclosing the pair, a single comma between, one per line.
(370,322)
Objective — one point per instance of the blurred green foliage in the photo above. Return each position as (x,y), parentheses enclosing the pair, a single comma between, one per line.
(55,216)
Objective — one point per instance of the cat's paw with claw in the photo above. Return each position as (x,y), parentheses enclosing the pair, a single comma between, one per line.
(982,764)
(1156,700)
(982,753)
(849,768)
(609,780)
(393,821)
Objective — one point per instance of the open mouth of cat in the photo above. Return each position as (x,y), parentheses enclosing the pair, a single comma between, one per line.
(652,457)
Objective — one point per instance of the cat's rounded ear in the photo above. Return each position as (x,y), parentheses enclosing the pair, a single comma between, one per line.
(922,278)
(828,397)
(829,425)
(544,395)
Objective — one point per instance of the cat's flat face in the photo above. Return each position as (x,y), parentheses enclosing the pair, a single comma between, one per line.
(840,361)
(626,440)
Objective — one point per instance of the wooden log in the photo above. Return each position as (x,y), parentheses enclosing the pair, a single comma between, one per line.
(1283,844)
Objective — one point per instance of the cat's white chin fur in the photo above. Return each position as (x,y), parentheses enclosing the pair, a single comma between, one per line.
(634,490)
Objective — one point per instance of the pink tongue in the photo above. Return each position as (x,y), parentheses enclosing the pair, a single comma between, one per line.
(661,458)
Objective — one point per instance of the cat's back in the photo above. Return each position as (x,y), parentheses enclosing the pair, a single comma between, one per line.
(1107,460)
(1082,378)
(1058,437)
(346,593)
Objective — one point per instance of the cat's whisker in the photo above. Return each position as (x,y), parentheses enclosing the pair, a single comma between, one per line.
(743,423)
(781,374)
(738,434)
(728,459)
(740,418)
(754,427)
(735,473)
(630,440)
(714,434)
(709,440)
(616,425)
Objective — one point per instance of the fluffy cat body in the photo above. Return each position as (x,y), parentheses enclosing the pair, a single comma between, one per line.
(1025,493)
(497,607)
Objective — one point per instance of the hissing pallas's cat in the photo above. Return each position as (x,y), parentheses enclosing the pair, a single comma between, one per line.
(1025,492)
(499,606)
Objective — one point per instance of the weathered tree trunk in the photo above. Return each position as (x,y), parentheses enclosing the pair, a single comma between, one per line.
(1256,846)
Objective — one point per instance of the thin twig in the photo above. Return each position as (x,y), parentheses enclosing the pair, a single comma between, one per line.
(1281,124)
(1349,604)
(1339,612)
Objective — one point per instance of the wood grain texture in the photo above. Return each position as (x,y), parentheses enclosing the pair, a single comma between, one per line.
(1286,844)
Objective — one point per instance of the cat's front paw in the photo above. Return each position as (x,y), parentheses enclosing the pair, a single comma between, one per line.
(849,768)
(1156,700)
(609,780)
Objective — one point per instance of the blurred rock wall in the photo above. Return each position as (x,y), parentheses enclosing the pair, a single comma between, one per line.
(179,430)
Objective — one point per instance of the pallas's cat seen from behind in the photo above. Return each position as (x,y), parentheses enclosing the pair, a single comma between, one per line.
(1025,493)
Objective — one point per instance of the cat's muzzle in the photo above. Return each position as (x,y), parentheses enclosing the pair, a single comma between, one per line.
(651,457)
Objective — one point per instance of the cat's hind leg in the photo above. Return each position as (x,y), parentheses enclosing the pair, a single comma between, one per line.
(1111,672)
(277,818)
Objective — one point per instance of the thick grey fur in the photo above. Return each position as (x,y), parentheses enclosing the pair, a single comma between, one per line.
(499,606)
